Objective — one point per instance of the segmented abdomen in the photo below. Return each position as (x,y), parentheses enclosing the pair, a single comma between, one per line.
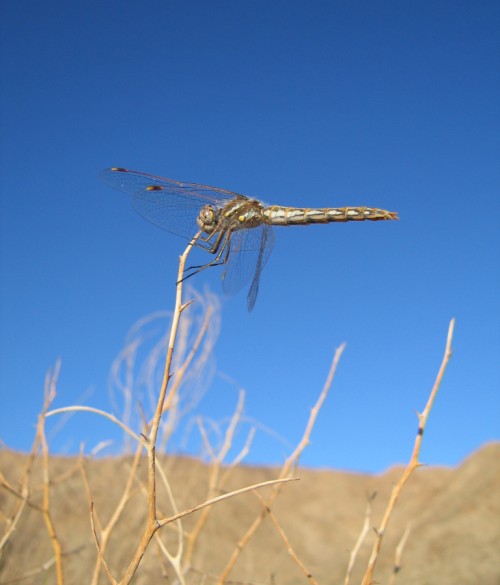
(299,216)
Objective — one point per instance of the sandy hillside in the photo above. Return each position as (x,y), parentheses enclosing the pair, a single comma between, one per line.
(454,516)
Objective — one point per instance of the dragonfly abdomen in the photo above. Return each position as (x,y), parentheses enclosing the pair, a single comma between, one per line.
(277,215)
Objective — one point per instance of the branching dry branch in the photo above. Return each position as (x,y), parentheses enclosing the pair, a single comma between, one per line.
(290,463)
(22,494)
(289,548)
(175,560)
(413,463)
(149,440)
(106,532)
(98,546)
(163,401)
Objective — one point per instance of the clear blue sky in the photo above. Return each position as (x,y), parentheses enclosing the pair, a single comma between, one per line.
(386,104)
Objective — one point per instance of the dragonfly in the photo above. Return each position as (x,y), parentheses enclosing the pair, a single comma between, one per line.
(237,230)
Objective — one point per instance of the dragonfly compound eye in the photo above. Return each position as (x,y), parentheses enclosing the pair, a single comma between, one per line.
(207,219)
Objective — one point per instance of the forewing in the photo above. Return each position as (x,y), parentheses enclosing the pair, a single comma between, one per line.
(170,205)
(250,250)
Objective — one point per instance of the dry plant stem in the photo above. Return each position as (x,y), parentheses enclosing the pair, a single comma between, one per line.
(287,543)
(105,532)
(99,550)
(22,499)
(172,401)
(289,464)
(213,482)
(103,413)
(50,394)
(294,457)
(361,538)
(33,573)
(413,463)
(152,523)
(239,458)
(398,555)
(213,501)
(23,493)
(182,370)
(175,560)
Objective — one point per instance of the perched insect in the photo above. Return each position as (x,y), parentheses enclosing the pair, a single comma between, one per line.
(236,229)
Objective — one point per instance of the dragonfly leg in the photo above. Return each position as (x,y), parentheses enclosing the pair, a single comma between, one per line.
(222,246)
(206,244)
(217,235)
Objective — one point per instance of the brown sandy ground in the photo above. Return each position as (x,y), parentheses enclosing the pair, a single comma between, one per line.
(454,516)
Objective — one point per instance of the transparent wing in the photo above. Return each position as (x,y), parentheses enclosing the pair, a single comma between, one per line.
(250,250)
(170,205)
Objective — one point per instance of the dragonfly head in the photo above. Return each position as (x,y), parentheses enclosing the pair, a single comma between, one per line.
(207,219)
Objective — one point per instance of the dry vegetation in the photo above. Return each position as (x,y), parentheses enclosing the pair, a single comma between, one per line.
(164,519)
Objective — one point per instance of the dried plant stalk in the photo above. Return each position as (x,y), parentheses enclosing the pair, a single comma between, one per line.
(150,440)
(50,394)
(289,464)
(398,554)
(289,548)
(213,482)
(412,465)
(362,535)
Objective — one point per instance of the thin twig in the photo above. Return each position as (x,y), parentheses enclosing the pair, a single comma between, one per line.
(19,506)
(213,501)
(192,352)
(105,533)
(32,573)
(307,574)
(294,457)
(398,554)
(50,394)
(239,457)
(175,560)
(213,482)
(148,440)
(413,463)
(201,347)
(98,546)
(103,413)
(288,465)
(23,494)
(152,523)
(362,535)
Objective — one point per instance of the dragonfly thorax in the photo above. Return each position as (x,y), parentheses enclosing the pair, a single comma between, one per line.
(242,213)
